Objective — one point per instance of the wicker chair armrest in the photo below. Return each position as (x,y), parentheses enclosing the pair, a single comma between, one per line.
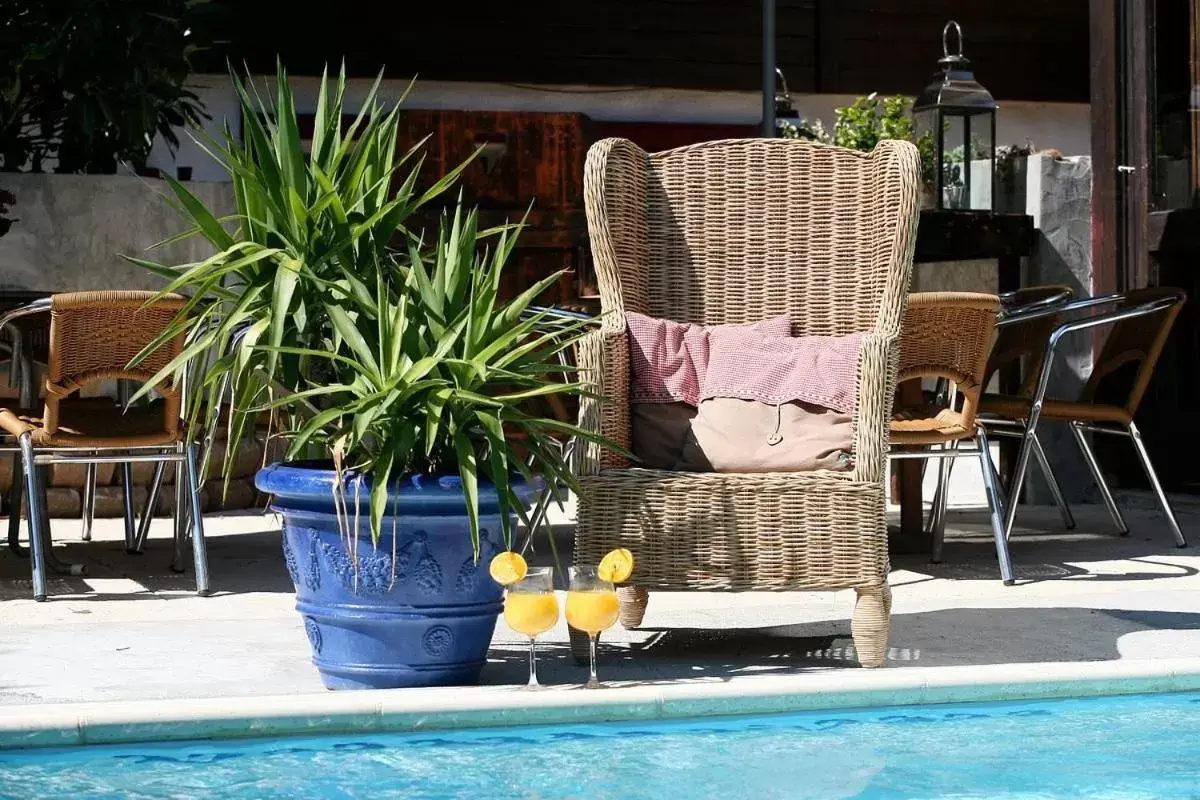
(878,366)
(603,358)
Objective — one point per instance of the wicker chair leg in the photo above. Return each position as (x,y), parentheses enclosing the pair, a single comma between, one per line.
(633,601)
(579,646)
(872,624)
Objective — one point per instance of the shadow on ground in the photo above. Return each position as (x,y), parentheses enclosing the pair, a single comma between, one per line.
(238,564)
(936,638)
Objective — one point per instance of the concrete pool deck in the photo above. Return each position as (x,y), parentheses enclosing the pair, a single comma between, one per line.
(131,630)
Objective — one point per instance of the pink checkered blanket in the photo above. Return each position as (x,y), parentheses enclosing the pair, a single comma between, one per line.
(679,362)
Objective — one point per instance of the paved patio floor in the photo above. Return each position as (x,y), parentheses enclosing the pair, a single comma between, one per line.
(131,629)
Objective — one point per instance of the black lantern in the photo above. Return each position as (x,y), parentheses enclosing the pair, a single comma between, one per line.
(955,123)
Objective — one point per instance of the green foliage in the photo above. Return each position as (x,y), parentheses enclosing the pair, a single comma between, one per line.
(1006,157)
(813,131)
(387,353)
(895,122)
(927,149)
(860,125)
(88,83)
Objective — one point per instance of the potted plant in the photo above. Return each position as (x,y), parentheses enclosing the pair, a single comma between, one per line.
(399,375)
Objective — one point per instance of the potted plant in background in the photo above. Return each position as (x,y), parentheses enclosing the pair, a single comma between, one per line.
(389,360)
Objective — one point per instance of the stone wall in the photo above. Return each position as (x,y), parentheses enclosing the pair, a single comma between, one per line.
(71,231)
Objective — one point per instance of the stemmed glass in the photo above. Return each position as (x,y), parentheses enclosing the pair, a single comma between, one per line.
(532,609)
(591,608)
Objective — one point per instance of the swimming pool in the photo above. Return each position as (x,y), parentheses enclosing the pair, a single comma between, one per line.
(1126,748)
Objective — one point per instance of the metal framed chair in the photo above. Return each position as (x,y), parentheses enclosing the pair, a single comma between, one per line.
(948,335)
(1021,345)
(1138,324)
(93,337)
(26,336)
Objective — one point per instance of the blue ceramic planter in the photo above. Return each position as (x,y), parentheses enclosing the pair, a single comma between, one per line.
(424,619)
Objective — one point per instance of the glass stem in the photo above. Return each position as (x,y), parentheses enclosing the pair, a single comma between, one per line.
(592,680)
(533,681)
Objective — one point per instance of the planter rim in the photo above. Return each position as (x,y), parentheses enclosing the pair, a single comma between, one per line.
(309,479)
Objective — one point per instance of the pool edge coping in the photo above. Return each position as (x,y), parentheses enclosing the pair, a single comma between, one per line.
(409,710)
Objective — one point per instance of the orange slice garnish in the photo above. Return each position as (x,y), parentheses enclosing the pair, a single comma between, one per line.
(507,568)
(616,567)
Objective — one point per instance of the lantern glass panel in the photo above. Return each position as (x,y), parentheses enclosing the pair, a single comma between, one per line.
(980,167)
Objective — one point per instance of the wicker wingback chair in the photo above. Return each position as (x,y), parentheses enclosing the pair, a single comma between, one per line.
(732,232)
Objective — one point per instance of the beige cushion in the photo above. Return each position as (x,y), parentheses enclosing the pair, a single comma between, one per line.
(658,431)
(731,435)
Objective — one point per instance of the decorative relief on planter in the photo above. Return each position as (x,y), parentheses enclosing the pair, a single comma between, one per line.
(437,641)
(374,573)
(471,571)
(312,570)
(289,558)
(314,634)
(426,572)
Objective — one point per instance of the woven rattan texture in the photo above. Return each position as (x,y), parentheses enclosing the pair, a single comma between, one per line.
(946,335)
(731,232)
(94,336)
(737,532)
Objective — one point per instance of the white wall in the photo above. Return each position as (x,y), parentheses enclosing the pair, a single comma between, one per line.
(1063,126)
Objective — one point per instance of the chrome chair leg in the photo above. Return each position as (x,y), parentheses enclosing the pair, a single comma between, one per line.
(1020,469)
(37,543)
(89,502)
(1056,491)
(1000,526)
(181,516)
(937,512)
(199,551)
(1105,493)
(127,488)
(151,506)
(51,560)
(15,492)
(1144,457)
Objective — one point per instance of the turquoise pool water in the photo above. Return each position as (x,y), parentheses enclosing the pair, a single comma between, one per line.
(1125,748)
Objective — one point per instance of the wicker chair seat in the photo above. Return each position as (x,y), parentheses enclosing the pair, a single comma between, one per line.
(95,422)
(737,531)
(929,425)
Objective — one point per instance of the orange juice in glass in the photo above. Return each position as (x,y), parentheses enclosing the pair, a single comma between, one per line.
(532,609)
(591,608)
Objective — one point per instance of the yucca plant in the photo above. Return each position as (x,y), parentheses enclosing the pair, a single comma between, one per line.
(387,350)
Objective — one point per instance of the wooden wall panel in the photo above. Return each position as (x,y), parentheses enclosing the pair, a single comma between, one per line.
(679,43)
(1020,49)
(1023,49)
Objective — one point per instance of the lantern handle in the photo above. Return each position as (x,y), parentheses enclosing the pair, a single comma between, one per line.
(787,96)
(946,42)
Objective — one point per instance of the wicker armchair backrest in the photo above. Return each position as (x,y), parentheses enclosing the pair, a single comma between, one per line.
(94,336)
